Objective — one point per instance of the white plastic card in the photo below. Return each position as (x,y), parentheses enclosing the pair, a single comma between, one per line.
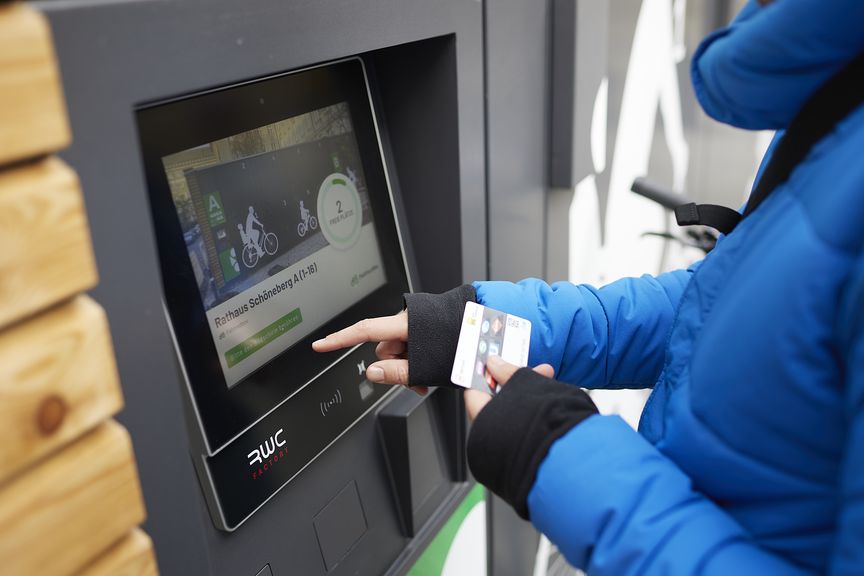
(487,332)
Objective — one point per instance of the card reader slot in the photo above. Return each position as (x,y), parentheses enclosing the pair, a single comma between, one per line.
(421,455)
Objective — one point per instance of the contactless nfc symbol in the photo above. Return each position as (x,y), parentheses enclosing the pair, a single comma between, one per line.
(325,405)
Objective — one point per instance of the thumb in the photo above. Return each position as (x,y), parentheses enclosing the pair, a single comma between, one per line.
(545,370)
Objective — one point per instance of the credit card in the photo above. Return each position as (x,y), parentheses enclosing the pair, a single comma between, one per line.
(487,332)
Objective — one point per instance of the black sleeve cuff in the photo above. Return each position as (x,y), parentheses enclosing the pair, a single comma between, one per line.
(513,433)
(434,321)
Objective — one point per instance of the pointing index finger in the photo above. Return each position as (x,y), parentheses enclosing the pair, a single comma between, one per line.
(369,330)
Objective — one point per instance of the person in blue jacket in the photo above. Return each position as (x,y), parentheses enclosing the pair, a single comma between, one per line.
(749,457)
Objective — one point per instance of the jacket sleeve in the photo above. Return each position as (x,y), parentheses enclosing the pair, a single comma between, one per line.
(848,557)
(633,511)
(612,337)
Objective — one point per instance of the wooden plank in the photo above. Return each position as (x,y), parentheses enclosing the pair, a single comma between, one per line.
(32,109)
(132,556)
(58,379)
(47,255)
(60,515)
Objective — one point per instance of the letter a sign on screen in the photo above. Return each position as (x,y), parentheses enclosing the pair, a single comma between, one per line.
(215,214)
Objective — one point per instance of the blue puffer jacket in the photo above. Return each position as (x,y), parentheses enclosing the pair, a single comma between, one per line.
(750,453)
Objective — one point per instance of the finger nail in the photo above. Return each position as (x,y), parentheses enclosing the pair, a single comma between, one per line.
(374,374)
(317,342)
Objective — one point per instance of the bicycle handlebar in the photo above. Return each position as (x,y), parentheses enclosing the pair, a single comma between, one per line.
(659,194)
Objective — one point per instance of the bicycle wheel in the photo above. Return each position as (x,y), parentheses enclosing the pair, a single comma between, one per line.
(313,222)
(271,243)
(250,256)
(301,229)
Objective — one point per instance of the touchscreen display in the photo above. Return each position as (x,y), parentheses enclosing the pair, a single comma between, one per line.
(279,230)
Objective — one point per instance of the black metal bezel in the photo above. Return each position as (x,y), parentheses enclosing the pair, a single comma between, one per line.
(179,124)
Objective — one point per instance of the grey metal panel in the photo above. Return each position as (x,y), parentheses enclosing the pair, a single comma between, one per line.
(557,234)
(528,232)
(340,525)
(517,89)
(579,59)
(513,541)
(416,101)
(578,65)
(115,55)
(562,154)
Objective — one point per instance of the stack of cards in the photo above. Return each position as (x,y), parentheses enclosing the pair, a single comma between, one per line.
(486,332)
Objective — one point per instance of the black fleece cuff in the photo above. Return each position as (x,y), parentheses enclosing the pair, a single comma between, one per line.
(434,321)
(513,433)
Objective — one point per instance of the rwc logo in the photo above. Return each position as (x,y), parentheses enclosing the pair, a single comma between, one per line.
(266,454)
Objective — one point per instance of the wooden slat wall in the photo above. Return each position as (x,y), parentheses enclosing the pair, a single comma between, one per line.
(67,509)
(32,109)
(47,255)
(132,556)
(57,380)
(70,499)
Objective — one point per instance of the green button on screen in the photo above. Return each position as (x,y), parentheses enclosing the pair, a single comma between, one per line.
(263,337)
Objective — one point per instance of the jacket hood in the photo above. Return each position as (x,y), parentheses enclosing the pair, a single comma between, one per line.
(758,72)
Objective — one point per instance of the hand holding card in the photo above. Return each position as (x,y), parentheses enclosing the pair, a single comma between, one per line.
(501,371)
(487,332)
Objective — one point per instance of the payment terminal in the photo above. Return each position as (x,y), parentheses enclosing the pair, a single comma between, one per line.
(275,225)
